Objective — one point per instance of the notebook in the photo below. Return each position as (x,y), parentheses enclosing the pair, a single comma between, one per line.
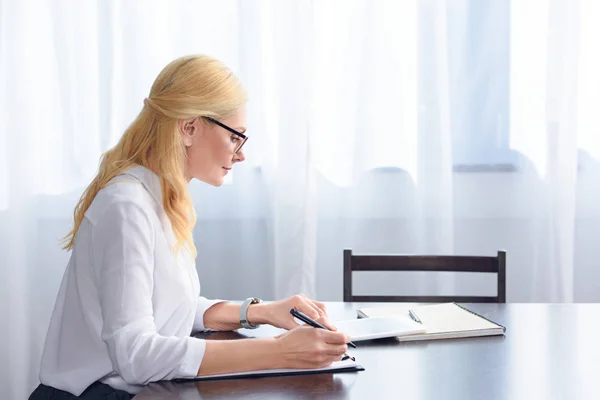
(442,321)
(378,327)
(338,366)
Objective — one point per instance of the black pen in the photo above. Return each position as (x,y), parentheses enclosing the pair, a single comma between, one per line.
(414,316)
(308,320)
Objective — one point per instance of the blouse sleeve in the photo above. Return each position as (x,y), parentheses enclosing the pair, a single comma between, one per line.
(203,305)
(123,256)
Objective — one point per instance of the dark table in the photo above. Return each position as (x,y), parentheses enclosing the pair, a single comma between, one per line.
(550,351)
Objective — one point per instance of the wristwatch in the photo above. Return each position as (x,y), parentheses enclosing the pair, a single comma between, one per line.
(244,312)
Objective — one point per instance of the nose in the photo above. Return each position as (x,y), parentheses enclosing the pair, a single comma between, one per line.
(239,156)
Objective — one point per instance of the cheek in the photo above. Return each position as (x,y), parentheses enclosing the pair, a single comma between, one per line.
(198,157)
(221,152)
(209,155)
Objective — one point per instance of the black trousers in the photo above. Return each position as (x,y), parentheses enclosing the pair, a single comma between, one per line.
(96,391)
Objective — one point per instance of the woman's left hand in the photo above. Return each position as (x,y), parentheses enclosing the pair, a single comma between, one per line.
(278,314)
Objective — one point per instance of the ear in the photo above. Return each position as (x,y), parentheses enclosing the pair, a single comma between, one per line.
(189,128)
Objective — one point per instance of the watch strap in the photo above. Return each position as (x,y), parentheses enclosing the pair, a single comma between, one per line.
(244,312)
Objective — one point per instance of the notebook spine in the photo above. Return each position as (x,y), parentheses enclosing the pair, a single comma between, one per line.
(481,316)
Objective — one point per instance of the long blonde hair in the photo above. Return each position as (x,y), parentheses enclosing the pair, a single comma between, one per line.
(188,87)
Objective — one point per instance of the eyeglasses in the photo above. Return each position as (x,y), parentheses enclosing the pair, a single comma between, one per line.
(242,141)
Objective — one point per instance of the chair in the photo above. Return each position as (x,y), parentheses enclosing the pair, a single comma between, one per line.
(425,263)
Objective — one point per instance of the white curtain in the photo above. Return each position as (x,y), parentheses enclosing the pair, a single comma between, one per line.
(413,126)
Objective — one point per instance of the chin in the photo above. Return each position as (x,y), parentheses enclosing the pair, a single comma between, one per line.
(211,181)
(216,182)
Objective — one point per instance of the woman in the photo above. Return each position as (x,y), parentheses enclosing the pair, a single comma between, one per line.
(130,296)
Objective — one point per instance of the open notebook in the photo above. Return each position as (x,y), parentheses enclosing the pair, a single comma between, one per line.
(338,366)
(441,321)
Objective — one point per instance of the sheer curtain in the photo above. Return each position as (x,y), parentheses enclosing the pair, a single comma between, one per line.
(417,126)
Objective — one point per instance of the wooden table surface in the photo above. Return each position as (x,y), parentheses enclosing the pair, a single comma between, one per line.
(550,351)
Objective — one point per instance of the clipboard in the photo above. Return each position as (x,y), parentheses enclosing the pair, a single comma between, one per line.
(335,367)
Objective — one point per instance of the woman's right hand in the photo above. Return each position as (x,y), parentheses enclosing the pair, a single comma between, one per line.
(308,347)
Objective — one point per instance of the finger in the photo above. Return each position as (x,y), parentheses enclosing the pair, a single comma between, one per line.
(325,322)
(336,350)
(308,308)
(315,305)
(321,307)
(305,301)
(335,337)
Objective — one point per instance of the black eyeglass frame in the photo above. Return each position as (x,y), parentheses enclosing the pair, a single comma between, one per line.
(222,125)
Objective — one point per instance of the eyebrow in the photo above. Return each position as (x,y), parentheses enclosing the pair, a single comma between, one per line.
(241,130)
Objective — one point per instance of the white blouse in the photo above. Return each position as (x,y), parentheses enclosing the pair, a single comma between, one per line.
(126,305)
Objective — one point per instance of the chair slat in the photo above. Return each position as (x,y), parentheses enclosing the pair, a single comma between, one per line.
(424,299)
(425,263)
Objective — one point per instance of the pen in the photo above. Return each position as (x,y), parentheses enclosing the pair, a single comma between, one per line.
(306,319)
(414,316)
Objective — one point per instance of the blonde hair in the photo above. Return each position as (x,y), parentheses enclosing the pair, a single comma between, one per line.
(188,87)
